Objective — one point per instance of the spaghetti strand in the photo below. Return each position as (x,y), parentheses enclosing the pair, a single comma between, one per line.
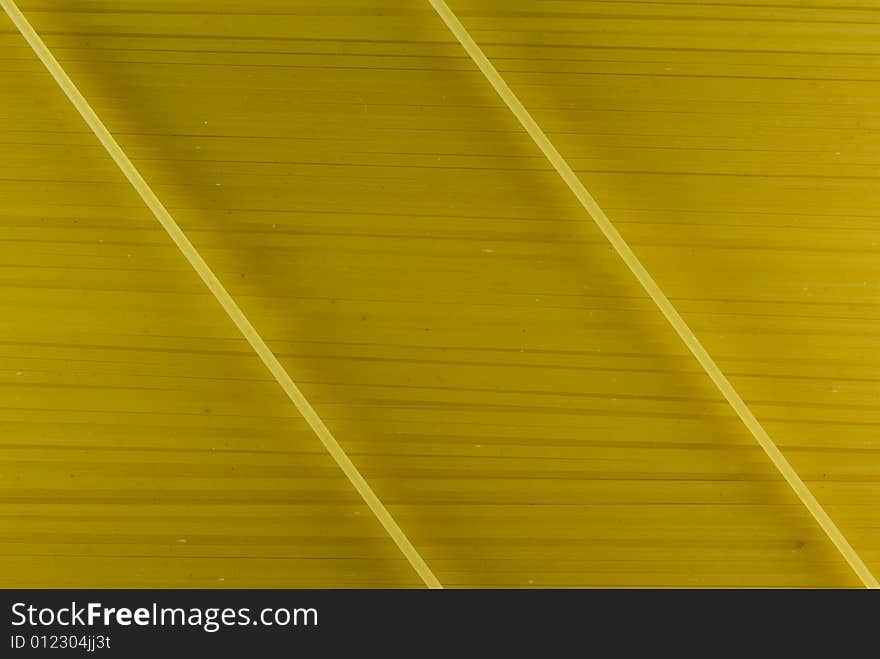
(655,292)
(221,294)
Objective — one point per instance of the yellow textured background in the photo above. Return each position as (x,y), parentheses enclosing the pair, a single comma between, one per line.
(476,346)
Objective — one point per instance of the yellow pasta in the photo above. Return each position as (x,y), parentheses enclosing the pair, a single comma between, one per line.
(513,397)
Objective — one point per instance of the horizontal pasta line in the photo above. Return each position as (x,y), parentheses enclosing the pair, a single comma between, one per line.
(410,55)
(465,168)
(571,19)
(463,577)
(613,396)
(233,51)
(484,442)
(476,239)
(479,467)
(239,37)
(818,330)
(874,180)
(231,210)
(122,539)
(354,147)
(678,49)
(625,109)
(135,348)
(170,558)
(436,424)
(169,450)
(443,408)
(436,477)
(452,43)
(479,235)
(728,3)
(629,310)
(317,67)
(553,219)
(455,154)
(491,406)
(423,347)
(399,130)
(581,412)
(152,413)
(194,541)
(309,12)
(710,76)
(812,67)
(771,4)
(506,70)
(262,497)
(772,376)
(397,12)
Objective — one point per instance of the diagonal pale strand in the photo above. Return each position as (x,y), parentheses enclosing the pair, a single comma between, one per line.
(222,295)
(655,292)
